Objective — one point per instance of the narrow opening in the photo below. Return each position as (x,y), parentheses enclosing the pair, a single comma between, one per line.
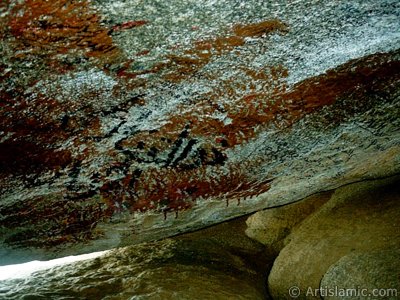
(25,269)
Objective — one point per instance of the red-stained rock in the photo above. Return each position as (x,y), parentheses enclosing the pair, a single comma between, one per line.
(102,147)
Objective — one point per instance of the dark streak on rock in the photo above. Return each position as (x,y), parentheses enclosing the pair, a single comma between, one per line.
(185,152)
(177,144)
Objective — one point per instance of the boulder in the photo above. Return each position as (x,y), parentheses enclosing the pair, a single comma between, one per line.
(371,274)
(360,221)
(271,226)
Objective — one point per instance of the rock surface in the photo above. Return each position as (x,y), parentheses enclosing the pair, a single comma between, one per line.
(117,116)
(375,271)
(271,226)
(334,245)
(215,263)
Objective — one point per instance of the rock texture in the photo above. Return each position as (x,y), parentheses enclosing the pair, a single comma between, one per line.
(271,226)
(124,121)
(351,242)
(375,271)
(210,264)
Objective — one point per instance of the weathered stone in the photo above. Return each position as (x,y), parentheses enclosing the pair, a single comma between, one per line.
(360,219)
(215,263)
(371,274)
(271,226)
(124,122)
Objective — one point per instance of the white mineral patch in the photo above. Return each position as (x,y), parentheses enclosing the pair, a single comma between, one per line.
(79,85)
